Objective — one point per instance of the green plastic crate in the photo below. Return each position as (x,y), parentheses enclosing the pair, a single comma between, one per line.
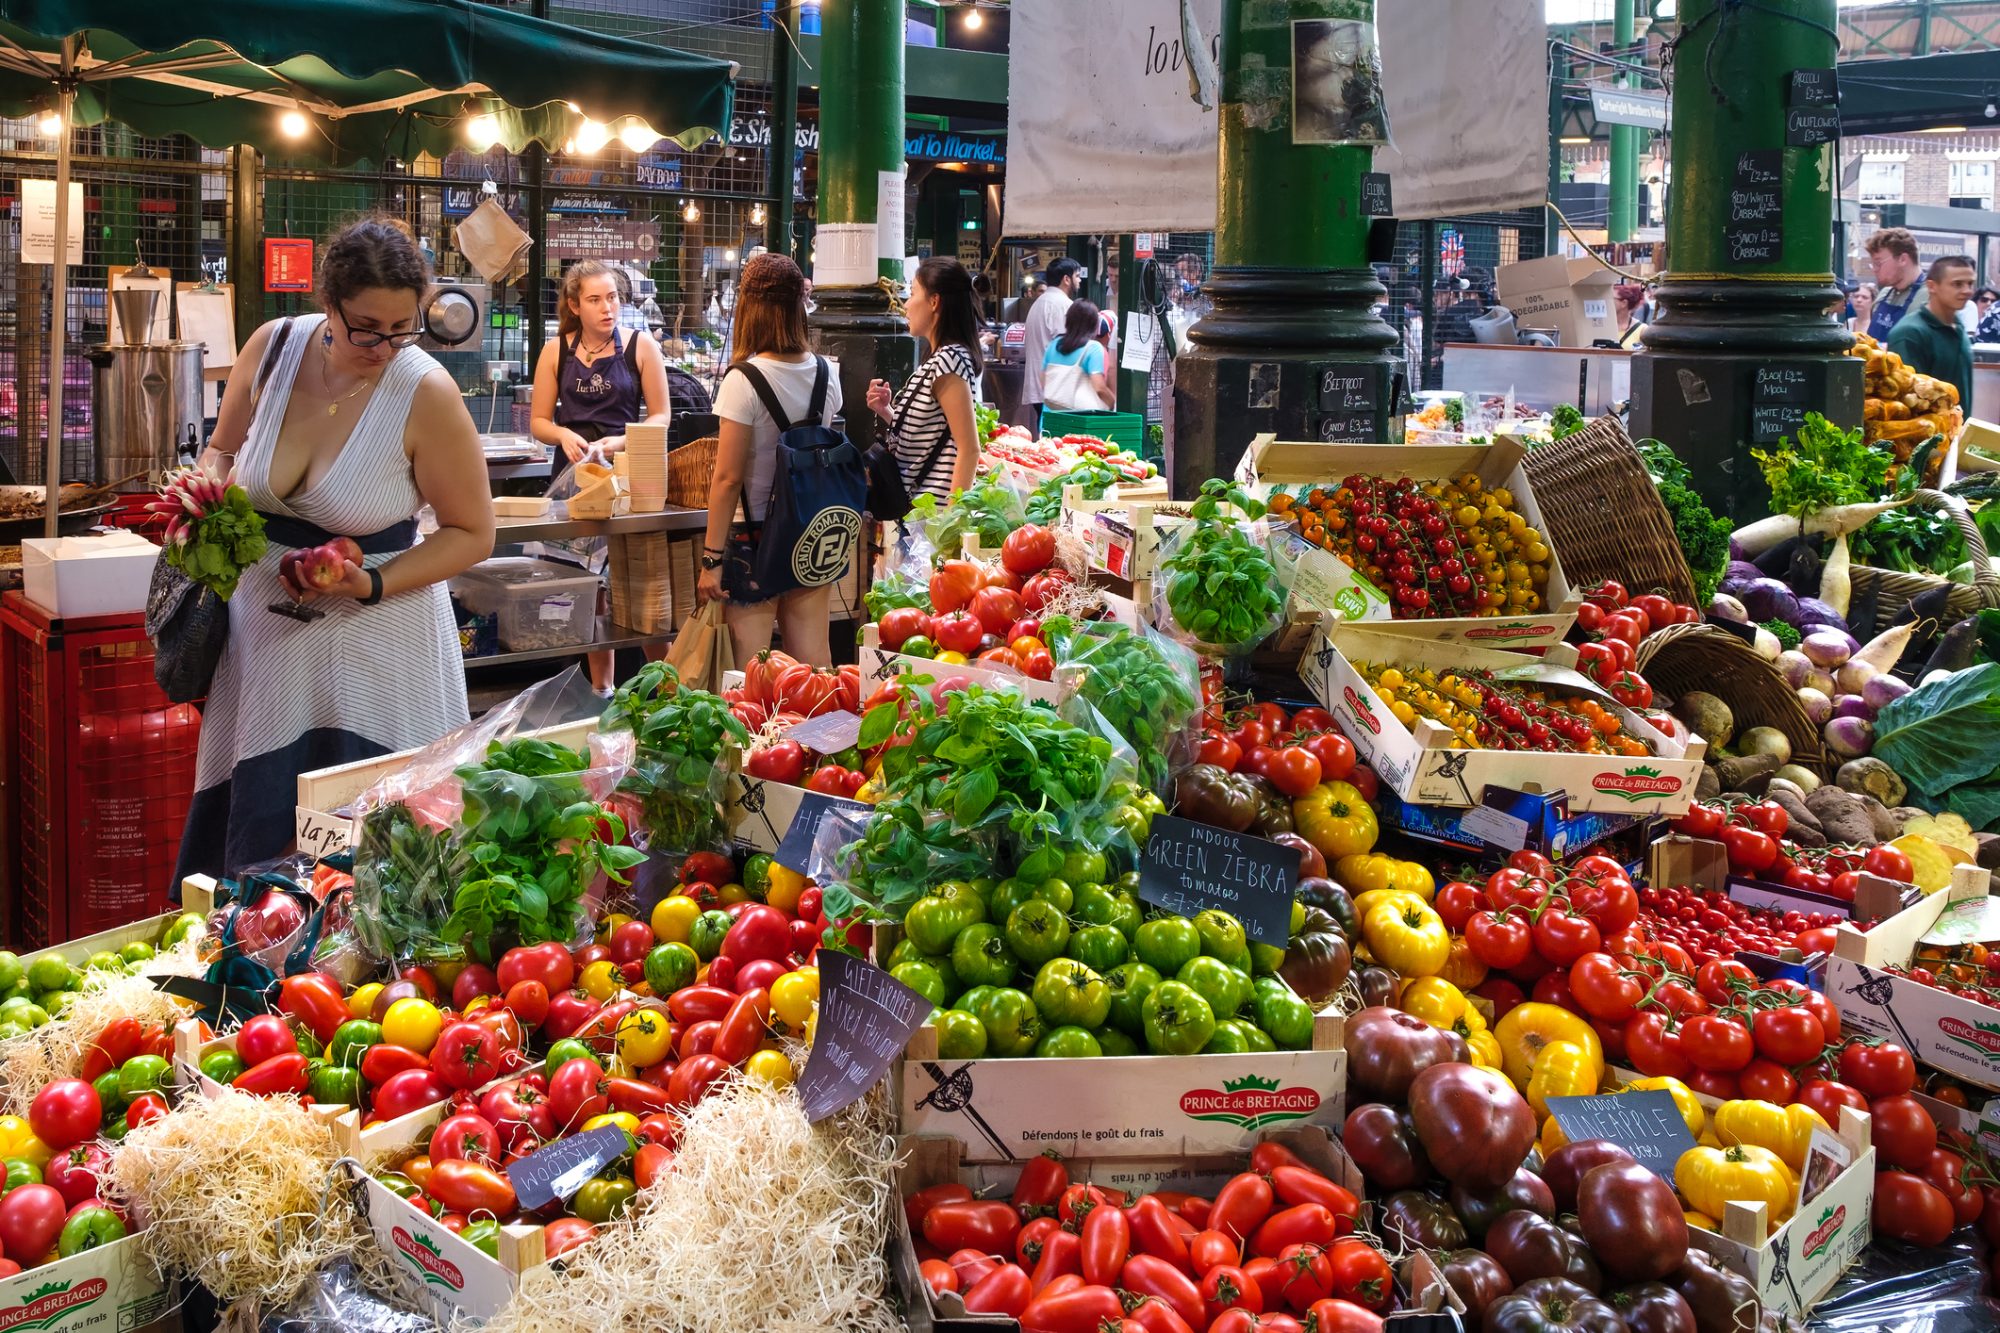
(1127,430)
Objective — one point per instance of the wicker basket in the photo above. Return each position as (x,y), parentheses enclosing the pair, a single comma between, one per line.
(1604,516)
(1682,658)
(688,471)
(1891,591)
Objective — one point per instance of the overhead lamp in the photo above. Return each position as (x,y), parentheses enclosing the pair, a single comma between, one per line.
(1575,139)
(49,124)
(1943,129)
(756,215)
(1991,109)
(482,132)
(728,256)
(638,136)
(294,125)
(974,20)
(591,137)
(691,213)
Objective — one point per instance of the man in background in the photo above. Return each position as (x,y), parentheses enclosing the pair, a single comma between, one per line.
(1899,286)
(1930,338)
(1045,325)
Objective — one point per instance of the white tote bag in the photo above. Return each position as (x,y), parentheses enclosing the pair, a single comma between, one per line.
(1067,389)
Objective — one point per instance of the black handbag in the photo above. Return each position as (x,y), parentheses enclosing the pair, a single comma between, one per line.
(188,621)
(889,499)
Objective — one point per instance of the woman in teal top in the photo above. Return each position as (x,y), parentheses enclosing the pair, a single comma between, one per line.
(1078,347)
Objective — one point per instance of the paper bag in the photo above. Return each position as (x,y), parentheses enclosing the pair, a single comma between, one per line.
(701,651)
(493,242)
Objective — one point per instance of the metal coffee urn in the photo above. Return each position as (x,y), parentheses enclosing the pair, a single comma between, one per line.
(146,399)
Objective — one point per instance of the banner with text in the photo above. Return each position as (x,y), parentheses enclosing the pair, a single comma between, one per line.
(1104,136)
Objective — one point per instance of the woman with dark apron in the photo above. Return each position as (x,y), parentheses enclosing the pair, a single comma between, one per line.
(591,383)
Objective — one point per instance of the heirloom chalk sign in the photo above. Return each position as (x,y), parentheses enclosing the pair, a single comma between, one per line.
(1646,1124)
(1186,867)
(795,848)
(565,1166)
(866,1018)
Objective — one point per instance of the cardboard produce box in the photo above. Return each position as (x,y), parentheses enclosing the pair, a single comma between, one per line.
(1571,296)
(1418,766)
(1946,1031)
(110,1288)
(1271,464)
(440,1272)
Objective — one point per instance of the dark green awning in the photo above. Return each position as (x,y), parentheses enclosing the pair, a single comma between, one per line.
(374,77)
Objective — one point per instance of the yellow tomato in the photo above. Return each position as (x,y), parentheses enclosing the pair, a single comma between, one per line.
(1684,1099)
(674,917)
(1564,1070)
(1785,1130)
(601,979)
(792,998)
(17,1140)
(1334,818)
(1364,871)
(1710,1178)
(1434,1000)
(362,1003)
(772,1068)
(625,1120)
(729,894)
(952,657)
(1702,1220)
(781,890)
(1552,1137)
(609,924)
(1461,969)
(1407,936)
(644,1036)
(1485,1047)
(413,1024)
(1526,1030)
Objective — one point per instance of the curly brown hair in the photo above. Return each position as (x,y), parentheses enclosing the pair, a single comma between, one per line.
(770,308)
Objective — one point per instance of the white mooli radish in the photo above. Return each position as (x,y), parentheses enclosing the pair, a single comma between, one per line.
(1836,584)
(1884,650)
(1759,537)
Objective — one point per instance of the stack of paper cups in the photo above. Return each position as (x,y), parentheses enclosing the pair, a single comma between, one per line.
(645,459)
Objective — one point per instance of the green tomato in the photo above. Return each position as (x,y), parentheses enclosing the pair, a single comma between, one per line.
(1231,1037)
(483,1234)
(1298,920)
(1222,937)
(142,1073)
(1102,947)
(12,972)
(1178,1020)
(10,1029)
(397,1184)
(923,979)
(1166,943)
(1225,989)
(1069,994)
(51,971)
(1067,1043)
(566,1050)
(706,934)
(981,957)
(1265,959)
(138,951)
(905,950)
(1260,1040)
(223,1066)
(108,1095)
(1130,821)
(984,885)
(1057,893)
(974,1000)
(935,920)
(1043,863)
(1012,1025)
(117,1130)
(1127,882)
(1111,1041)
(1085,867)
(104,960)
(15,1010)
(919,645)
(1037,932)
(1282,1013)
(335,1085)
(671,966)
(352,1039)
(961,1036)
(184,926)
(87,1228)
(1009,894)
(20,1173)
(600,1200)
(1150,802)
(52,1002)
(1129,983)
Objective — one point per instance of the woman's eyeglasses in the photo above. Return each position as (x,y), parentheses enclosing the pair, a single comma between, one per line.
(372,338)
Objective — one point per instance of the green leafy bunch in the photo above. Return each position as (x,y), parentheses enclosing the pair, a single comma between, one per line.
(1912,540)
(535,841)
(1221,586)
(1146,687)
(1564,422)
(895,589)
(986,420)
(1822,466)
(227,539)
(681,735)
(1704,538)
(988,507)
(1093,474)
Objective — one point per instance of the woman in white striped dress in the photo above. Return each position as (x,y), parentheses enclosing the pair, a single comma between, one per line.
(931,426)
(338,426)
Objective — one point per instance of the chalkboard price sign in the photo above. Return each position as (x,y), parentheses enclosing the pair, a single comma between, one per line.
(1348,429)
(1186,867)
(1815,87)
(1645,1124)
(1347,389)
(1755,244)
(795,848)
(1760,167)
(1772,422)
(866,1018)
(1783,384)
(1811,126)
(566,1166)
(1375,200)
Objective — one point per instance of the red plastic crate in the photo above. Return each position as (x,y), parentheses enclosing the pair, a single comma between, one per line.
(132,516)
(98,770)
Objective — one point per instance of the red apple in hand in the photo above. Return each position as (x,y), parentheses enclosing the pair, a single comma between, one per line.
(324,567)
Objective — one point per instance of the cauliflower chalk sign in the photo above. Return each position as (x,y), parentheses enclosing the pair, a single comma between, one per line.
(1186,867)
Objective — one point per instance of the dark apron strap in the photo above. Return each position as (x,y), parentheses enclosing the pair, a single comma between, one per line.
(299,534)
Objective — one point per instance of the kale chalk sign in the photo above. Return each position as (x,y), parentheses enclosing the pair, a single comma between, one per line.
(1187,867)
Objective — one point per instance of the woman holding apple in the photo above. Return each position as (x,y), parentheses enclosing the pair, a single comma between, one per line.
(341,640)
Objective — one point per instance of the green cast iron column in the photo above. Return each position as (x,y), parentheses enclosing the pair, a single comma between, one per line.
(861,188)
(1292,343)
(783,152)
(1727,309)
(1624,140)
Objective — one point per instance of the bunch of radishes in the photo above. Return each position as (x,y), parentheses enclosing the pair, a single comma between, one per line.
(186,495)
(320,568)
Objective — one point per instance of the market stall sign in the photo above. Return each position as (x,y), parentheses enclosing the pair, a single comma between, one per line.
(604,238)
(1754,232)
(566,1166)
(795,848)
(288,264)
(1348,398)
(1779,401)
(866,1018)
(1815,87)
(1376,200)
(829,733)
(1646,1124)
(1624,106)
(1187,867)
(1811,126)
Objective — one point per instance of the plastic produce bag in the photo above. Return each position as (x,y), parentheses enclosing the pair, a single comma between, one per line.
(1897,1286)
(1221,583)
(685,745)
(881,861)
(591,553)
(492,835)
(337,1302)
(1337,81)
(1145,686)
(989,509)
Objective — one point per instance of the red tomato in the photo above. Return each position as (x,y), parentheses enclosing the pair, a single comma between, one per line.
(547,963)
(1888,862)
(31,1217)
(1219,750)
(1029,549)
(1004,1291)
(1906,1207)
(954,585)
(1332,1316)
(901,623)
(1294,770)
(1788,1036)
(565,1234)
(262,1037)
(958,632)
(468,1136)
(996,608)
(467,1055)
(1333,750)
(1904,1133)
(1361,1274)
(1037,592)
(1878,1071)
(63,1114)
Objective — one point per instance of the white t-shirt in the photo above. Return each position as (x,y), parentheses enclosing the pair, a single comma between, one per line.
(737,400)
(1044,325)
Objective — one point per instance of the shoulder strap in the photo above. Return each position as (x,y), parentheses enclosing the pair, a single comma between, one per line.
(272,355)
(764,391)
(816,408)
(632,353)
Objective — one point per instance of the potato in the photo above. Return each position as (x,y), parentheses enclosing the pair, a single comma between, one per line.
(1930,868)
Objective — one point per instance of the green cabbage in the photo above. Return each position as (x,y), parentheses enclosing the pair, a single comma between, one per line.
(1946,735)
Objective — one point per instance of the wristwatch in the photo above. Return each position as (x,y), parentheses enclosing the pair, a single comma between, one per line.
(711,561)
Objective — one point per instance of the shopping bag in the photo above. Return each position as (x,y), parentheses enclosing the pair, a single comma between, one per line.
(701,651)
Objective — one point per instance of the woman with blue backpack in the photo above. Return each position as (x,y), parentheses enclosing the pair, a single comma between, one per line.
(784,505)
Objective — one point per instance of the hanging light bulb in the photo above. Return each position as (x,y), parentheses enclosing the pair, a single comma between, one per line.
(293,124)
(591,137)
(49,123)
(974,20)
(728,256)
(638,136)
(756,215)
(692,212)
(482,132)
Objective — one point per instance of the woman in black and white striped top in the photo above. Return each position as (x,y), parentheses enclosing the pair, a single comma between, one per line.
(931,427)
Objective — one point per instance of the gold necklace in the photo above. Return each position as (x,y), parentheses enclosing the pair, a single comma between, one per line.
(327,384)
